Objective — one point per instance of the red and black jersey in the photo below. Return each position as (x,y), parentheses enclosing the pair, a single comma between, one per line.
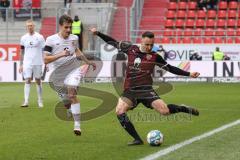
(140,65)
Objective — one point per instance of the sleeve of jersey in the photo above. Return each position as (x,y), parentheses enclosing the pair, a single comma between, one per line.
(172,69)
(123,46)
(108,40)
(21,43)
(48,46)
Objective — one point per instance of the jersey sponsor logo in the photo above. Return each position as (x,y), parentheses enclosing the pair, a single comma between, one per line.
(137,62)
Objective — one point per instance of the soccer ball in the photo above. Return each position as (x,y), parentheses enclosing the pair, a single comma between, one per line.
(155,138)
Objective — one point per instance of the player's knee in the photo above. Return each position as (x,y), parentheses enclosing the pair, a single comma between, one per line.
(164,111)
(120,109)
(38,81)
(28,81)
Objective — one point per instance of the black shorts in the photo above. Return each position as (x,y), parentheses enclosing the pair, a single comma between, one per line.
(141,95)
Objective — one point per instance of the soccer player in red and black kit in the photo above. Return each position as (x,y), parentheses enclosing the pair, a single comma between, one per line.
(138,81)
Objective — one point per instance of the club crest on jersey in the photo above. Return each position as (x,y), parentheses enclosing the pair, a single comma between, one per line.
(137,62)
(149,56)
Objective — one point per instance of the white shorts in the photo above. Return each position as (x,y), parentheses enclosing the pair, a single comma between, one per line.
(73,79)
(32,70)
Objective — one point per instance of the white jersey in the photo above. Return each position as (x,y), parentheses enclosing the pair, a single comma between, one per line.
(56,44)
(33,49)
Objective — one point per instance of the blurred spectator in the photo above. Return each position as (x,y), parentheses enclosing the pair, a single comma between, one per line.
(67,5)
(202,4)
(212,4)
(207,4)
(4,4)
(77,29)
(226,58)
(218,55)
(195,57)
(161,51)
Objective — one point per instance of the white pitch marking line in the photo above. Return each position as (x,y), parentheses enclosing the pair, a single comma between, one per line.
(189,141)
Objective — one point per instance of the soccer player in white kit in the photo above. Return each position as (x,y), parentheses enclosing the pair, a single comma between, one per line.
(61,52)
(32,44)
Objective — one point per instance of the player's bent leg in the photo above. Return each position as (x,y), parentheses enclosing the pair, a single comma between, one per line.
(164,109)
(124,104)
(39,92)
(160,106)
(75,109)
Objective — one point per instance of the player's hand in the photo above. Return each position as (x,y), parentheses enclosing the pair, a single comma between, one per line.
(93,30)
(194,74)
(65,53)
(93,65)
(20,69)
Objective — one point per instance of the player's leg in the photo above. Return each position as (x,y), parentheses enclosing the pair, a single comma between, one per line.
(75,109)
(37,73)
(124,104)
(73,81)
(27,74)
(165,109)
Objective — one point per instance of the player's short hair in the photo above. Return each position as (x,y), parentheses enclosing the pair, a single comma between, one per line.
(65,19)
(148,34)
(29,21)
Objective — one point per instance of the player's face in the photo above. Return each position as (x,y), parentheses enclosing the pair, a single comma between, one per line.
(65,29)
(147,44)
(30,27)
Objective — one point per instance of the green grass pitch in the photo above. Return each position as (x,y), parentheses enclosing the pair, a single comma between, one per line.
(33,133)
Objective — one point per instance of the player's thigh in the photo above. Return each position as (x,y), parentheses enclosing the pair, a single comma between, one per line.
(160,106)
(27,72)
(37,71)
(73,79)
(123,105)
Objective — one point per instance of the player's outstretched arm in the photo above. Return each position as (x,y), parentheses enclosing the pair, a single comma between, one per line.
(81,56)
(106,38)
(175,70)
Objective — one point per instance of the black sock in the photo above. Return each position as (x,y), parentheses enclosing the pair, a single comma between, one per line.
(173,108)
(128,126)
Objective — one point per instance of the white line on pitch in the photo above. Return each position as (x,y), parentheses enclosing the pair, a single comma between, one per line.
(187,142)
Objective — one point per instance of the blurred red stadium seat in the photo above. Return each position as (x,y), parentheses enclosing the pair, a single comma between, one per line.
(222,5)
(191,14)
(170,14)
(181,14)
(189,23)
(182,5)
(207,40)
(192,5)
(200,23)
(233,5)
(172,6)
(232,14)
(186,40)
(197,40)
(222,14)
(211,14)
(201,14)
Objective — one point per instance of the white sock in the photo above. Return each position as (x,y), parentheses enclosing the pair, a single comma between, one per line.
(75,108)
(39,92)
(26,92)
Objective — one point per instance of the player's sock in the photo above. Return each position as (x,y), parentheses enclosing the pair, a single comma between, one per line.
(27,87)
(39,93)
(128,126)
(173,108)
(75,108)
